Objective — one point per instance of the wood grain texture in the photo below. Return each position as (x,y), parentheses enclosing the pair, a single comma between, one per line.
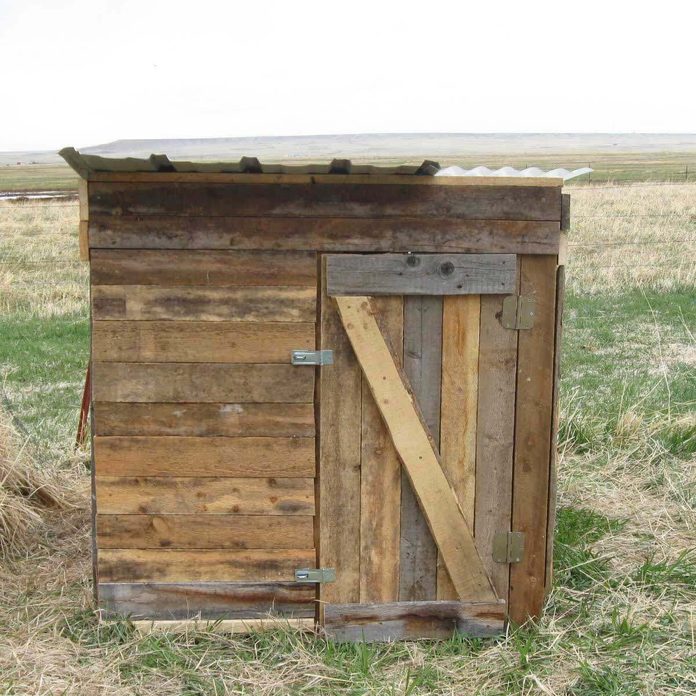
(533,427)
(199,341)
(416,451)
(413,620)
(205,383)
(204,420)
(145,302)
(204,456)
(380,479)
(423,368)
(325,200)
(553,474)
(420,274)
(495,434)
(460,356)
(340,404)
(221,268)
(202,565)
(404,234)
(207,600)
(225,626)
(205,531)
(188,495)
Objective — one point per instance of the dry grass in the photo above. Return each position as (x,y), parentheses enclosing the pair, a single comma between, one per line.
(621,617)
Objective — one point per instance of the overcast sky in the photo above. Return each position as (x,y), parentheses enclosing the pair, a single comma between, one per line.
(83,72)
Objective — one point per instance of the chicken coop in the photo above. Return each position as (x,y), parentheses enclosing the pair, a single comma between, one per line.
(322,395)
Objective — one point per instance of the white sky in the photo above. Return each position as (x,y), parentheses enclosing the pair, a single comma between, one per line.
(83,72)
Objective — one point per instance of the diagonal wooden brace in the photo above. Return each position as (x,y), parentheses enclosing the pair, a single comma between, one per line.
(416,450)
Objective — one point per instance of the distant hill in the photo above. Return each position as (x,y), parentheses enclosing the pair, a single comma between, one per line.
(402,147)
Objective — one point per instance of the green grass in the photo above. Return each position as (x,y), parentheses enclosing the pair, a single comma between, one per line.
(37,177)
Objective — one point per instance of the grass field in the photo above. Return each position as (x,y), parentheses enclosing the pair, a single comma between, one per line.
(620,619)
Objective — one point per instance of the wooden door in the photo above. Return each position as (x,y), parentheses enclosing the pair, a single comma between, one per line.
(416,443)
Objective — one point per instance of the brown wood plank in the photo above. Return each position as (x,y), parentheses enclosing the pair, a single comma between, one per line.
(340,404)
(251,626)
(205,531)
(413,620)
(460,354)
(423,367)
(416,451)
(380,479)
(306,178)
(553,475)
(533,427)
(325,200)
(173,267)
(224,420)
(185,495)
(199,341)
(209,383)
(421,274)
(323,234)
(495,433)
(201,565)
(203,304)
(204,456)
(218,600)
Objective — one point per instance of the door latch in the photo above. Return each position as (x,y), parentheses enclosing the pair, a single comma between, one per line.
(312,357)
(315,575)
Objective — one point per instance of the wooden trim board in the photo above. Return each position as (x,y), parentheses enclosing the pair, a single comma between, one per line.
(225,626)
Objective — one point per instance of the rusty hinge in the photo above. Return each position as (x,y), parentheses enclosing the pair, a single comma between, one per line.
(518,312)
(508,547)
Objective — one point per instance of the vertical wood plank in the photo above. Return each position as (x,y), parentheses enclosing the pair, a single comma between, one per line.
(423,367)
(550,527)
(460,350)
(380,480)
(495,435)
(83,232)
(340,404)
(533,425)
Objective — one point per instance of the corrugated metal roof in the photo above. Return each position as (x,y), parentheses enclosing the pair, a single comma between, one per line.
(85,165)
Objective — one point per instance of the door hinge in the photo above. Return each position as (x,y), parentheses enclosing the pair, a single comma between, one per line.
(315,575)
(508,547)
(312,357)
(518,312)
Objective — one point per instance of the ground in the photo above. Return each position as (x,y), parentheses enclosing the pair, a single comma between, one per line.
(620,619)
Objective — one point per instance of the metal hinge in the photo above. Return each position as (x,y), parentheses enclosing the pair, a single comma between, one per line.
(312,357)
(315,575)
(518,312)
(508,547)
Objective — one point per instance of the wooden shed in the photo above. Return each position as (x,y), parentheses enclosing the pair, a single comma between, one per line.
(322,394)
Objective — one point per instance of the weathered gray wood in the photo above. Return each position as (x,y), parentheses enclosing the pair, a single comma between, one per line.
(210,383)
(169,266)
(326,200)
(423,367)
(565,212)
(207,600)
(421,274)
(413,620)
(435,234)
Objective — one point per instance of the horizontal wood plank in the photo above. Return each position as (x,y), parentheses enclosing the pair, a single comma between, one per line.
(413,620)
(223,268)
(205,531)
(207,600)
(145,302)
(189,495)
(227,626)
(227,420)
(204,565)
(208,383)
(325,200)
(204,456)
(323,234)
(421,274)
(199,341)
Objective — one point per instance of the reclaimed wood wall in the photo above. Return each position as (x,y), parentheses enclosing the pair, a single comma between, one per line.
(208,469)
